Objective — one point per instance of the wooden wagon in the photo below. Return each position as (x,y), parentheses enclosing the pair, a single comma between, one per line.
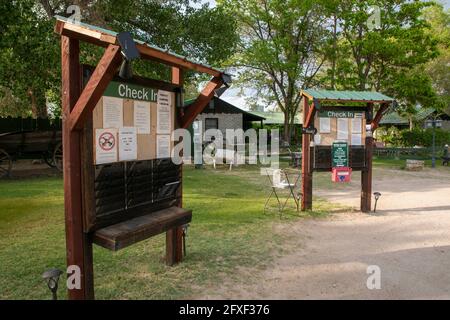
(44,145)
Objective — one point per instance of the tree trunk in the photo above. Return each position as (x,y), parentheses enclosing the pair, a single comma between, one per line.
(38,105)
(286,132)
(333,68)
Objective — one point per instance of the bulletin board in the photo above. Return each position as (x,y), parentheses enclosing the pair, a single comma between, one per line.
(334,125)
(133,123)
(129,171)
(346,126)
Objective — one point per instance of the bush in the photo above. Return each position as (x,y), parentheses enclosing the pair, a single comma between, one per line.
(424,137)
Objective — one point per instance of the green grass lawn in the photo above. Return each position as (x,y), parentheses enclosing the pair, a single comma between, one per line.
(229,230)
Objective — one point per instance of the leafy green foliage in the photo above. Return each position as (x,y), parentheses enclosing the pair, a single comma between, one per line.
(424,137)
(30,54)
(29,62)
(439,68)
(280,49)
(380,58)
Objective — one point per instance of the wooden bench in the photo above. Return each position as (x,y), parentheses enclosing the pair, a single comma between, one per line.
(126,233)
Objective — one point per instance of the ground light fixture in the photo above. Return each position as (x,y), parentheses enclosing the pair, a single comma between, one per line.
(129,53)
(51,277)
(377,196)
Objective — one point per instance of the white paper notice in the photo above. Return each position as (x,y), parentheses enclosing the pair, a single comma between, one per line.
(356,139)
(317,139)
(357,125)
(112,112)
(127,144)
(325,125)
(342,129)
(105,146)
(142,117)
(163,146)
(164,115)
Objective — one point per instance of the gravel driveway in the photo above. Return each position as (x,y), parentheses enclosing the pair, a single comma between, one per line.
(408,239)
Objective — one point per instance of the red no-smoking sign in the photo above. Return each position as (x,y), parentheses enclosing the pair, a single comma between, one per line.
(107,141)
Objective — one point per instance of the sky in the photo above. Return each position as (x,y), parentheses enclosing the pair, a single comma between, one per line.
(232,94)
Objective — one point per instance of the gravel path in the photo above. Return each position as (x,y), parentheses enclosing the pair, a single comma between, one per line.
(408,238)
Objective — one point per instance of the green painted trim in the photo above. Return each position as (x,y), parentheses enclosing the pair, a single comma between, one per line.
(340,114)
(131,91)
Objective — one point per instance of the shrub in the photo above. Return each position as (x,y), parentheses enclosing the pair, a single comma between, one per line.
(424,137)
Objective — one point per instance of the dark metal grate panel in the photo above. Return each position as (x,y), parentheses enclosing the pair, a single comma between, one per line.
(109,189)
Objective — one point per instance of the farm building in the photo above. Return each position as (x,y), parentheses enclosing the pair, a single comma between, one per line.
(222,115)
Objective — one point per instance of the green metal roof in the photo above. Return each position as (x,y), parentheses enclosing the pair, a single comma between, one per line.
(275,117)
(347,95)
(114,34)
(395,119)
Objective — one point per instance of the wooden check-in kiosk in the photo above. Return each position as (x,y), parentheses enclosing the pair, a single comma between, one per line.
(120,183)
(350,117)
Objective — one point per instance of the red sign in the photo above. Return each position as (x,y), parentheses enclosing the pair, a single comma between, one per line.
(342,174)
(107,141)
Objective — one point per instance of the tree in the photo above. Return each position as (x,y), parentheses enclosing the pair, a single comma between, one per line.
(30,53)
(389,57)
(29,60)
(438,69)
(279,52)
(202,33)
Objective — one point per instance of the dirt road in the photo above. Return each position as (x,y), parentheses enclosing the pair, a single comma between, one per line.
(408,239)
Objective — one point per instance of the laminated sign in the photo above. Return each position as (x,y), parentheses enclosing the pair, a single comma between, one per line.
(339,154)
(105,146)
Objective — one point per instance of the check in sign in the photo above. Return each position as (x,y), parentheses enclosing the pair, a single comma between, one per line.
(339,154)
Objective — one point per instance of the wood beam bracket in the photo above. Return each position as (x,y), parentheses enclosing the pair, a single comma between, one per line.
(96,86)
(201,102)
(312,112)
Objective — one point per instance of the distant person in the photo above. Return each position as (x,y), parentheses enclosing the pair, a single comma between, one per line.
(446,156)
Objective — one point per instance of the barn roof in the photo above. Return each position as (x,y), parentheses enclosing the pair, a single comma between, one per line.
(221,106)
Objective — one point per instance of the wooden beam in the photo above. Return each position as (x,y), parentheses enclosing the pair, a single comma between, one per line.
(174,236)
(379,116)
(307,95)
(172,60)
(366,174)
(104,40)
(178,80)
(96,86)
(177,76)
(306,162)
(78,244)
(202,101)
(310,115)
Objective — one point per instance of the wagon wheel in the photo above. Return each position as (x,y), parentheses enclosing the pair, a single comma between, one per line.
(58,157)
(48,158)
(5,164)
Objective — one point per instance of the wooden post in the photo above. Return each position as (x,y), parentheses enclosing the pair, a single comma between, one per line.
(306,162)
(174,237)
(366,174)
(78,245)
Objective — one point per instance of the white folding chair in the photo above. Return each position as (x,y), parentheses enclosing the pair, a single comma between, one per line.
(279,181)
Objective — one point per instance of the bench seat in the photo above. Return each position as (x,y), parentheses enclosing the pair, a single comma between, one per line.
(126,233)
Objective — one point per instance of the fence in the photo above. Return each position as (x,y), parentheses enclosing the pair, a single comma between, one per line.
(416,153)
(29,124)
